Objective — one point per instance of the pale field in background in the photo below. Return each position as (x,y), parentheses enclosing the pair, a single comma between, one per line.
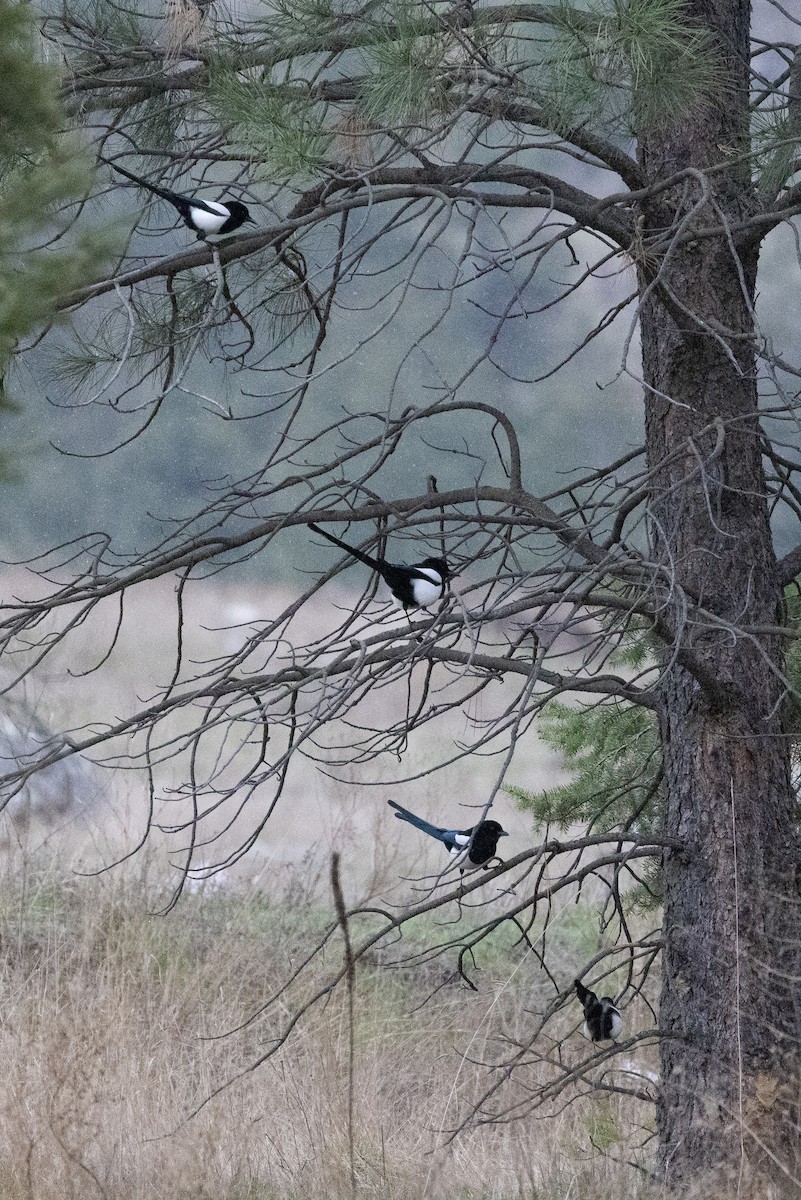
(317,812)
(106,1007)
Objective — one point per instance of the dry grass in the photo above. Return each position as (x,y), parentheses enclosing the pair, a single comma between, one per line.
(109,1014)
(104,1017)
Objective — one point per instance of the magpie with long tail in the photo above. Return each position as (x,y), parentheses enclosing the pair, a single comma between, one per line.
(602,1019)
(469,848)
(413,587)
(203,217)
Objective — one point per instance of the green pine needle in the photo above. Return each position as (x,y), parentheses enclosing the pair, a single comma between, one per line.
(613,753)
(407,77)
(302,17)
(157,121)
(636,67)
(775,143)
(285,134)
(175,321)
(286,307)
(115,24)
(612,749)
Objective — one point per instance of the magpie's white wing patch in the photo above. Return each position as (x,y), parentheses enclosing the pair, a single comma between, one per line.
(429,589)
(459,853)
(209,222)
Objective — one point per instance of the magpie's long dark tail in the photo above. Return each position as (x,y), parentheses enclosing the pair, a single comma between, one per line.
(362,557)
(403,814)
(145,183)
(584,994)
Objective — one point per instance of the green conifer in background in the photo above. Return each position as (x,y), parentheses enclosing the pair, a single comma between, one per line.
(42,169)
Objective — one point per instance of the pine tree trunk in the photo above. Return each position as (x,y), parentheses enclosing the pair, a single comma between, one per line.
(731,928)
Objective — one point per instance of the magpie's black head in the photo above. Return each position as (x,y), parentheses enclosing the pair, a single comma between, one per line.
(494,828)
(239,212)
(484,842)
(437,564)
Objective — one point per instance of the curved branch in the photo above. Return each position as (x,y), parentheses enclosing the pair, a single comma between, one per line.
(390,185)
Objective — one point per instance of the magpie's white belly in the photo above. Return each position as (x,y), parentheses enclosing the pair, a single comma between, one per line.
(617,1025)
(459,854)
(426,591)
(210,222)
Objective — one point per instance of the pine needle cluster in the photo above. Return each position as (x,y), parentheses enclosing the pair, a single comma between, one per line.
(286,306)
(301,22)
(612,751)
(406,81)
(622,65)
(628,66)
(282,130)
(775,141)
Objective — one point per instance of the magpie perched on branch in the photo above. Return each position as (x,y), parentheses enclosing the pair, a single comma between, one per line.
(413,587)
(470,848)
(203,217)
(602,1019)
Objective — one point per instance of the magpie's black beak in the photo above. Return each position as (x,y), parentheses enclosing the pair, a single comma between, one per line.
(504,833)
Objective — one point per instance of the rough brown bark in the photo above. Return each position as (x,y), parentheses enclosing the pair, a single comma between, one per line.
(729,1026)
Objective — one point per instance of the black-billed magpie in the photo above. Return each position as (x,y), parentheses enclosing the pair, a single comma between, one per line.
(466,854)
(413,587)
(602,1019)
(203,217)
